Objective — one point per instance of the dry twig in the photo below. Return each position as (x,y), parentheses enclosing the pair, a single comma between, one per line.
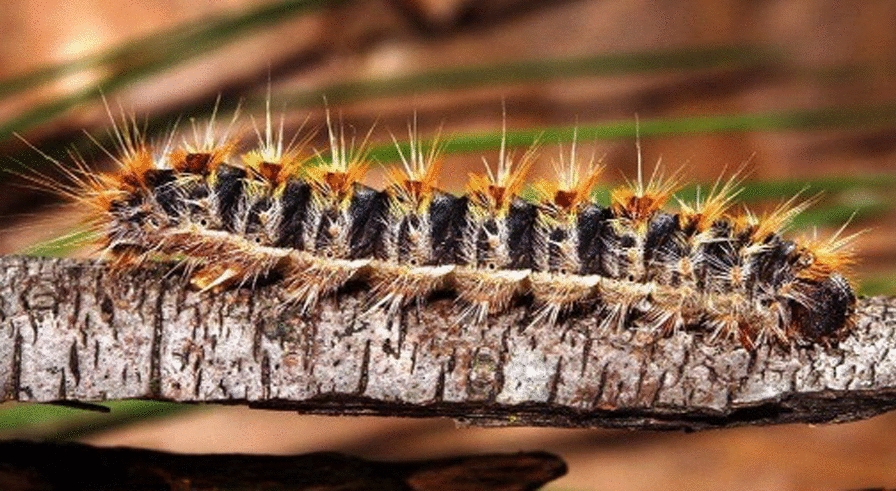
(26,466)
(74,331)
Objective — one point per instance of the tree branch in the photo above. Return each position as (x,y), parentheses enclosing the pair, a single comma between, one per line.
(26,466)
(73,330)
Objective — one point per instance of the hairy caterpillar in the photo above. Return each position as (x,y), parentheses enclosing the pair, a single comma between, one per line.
(233,218)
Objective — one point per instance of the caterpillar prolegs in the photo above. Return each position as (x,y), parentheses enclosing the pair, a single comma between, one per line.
(307,219)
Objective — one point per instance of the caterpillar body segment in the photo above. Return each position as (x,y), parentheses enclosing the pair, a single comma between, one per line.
(307,220)
(421,229)
(567,221)
(496,238)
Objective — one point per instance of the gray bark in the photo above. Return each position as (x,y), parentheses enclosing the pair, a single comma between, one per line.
(76,331)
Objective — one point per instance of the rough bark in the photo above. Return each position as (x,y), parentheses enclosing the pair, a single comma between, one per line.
(26,466)
(74,331)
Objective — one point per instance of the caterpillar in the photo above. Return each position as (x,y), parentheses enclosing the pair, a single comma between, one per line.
(232,218)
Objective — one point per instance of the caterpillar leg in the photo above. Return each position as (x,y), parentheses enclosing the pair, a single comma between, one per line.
(307,278)
(223,260)
(619,299)
(397,285)
(557,293)
(215,277)
(487,292)
(726,316)
(670,309)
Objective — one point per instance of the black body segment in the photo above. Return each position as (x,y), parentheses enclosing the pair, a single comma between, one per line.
(294,201)
(227,186)
(520,223)
(447,218)
(715,257)
(166,191)
(770,266)
(591,229)
(617,245)
(368,216)
(667,251)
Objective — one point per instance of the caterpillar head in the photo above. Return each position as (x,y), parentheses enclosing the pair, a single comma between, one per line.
(133,223)
(822,310)
(821,299)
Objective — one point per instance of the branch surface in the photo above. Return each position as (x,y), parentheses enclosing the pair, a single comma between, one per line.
(76,331)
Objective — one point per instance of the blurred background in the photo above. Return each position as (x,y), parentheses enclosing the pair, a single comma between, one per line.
(803,92)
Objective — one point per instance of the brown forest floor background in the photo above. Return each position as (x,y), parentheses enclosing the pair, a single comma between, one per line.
(383,38)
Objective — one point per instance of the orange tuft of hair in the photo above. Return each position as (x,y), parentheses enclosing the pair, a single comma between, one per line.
(775,221)
(132,156)
(133,170)
(495,191)
(639,201)
(820,258)
(346,165)
(209,147)
(707,211)
(276,160)
(573,186)
(200,162)
(415,181)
